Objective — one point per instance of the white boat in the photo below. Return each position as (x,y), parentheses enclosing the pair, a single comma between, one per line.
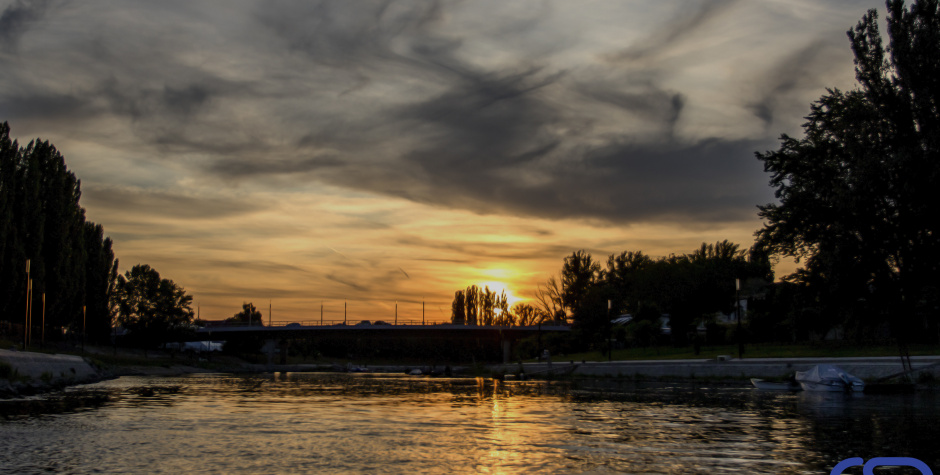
(829,378)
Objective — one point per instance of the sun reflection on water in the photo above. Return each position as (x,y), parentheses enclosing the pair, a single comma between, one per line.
(329,423)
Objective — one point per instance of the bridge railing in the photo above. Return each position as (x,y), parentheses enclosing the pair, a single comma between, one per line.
(325,323)
(330,323)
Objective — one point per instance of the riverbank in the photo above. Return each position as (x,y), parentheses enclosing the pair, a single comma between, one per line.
(25,373)
(927,368)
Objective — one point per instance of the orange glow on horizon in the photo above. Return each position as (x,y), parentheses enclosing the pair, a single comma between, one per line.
(500,287)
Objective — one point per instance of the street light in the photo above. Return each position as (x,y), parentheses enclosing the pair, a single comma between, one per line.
(737,311)
(42,337)
(83,329)
(26,319)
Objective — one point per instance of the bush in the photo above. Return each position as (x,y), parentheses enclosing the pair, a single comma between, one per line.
(642,333)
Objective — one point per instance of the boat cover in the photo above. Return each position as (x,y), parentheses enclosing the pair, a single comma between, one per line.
(828,372)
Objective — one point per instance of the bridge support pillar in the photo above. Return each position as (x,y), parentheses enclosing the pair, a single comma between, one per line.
(268,348)
(507,350)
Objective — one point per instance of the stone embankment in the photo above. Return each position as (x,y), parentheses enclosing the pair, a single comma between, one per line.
(867,368)
(24,372)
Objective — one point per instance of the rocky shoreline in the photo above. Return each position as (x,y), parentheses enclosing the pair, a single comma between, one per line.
(24,373)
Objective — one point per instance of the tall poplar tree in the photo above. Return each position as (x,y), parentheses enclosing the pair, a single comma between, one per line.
(72,266)
(857,193)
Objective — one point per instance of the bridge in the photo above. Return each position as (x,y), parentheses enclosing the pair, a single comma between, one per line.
(379,334)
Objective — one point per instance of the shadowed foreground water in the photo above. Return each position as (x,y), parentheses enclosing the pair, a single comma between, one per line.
(327,423)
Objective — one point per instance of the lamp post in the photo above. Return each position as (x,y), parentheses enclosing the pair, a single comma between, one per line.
(42,335)
(737,311)
(26,318)
(29,312)
(83,329)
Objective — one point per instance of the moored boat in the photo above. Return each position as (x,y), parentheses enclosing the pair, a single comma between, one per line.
(829,378)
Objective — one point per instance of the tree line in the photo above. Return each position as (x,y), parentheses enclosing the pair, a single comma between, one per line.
(856,205)
(70,287)
(72,268)
(688,287)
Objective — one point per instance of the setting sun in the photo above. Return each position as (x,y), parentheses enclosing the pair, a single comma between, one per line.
(499,288)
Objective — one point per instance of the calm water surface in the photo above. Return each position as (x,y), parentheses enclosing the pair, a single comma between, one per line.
(337,423)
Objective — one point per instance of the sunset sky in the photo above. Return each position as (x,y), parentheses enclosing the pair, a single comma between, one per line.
(299,152)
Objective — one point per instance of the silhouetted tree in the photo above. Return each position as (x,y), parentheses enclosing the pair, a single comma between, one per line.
(459,309)
(551,302)
(152,309)
(101,272)
(480,307)
(471,300)
(623,274)
(857,197)
(250,315)
(525,314)
(578,274)
(71,262)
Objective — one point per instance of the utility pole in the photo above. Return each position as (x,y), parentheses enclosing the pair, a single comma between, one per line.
(396,312)
(42,334)
(737,311)
(422,311)
(321,313)
(344,312)
(29,313)
(26,318)
(83,329)
(270,312)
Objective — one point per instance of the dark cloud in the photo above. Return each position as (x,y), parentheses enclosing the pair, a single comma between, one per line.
(42,105)
(491,142)
(17,18)
(641,99)
(255,166)
(401,99)
(156,203)
(353,35)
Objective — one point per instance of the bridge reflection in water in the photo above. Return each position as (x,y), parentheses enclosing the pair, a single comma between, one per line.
(480,341)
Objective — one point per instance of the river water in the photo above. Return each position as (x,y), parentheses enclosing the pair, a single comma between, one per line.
(360,423)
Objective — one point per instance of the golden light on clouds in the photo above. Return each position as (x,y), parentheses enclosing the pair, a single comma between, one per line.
(301,250)
(407,152)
